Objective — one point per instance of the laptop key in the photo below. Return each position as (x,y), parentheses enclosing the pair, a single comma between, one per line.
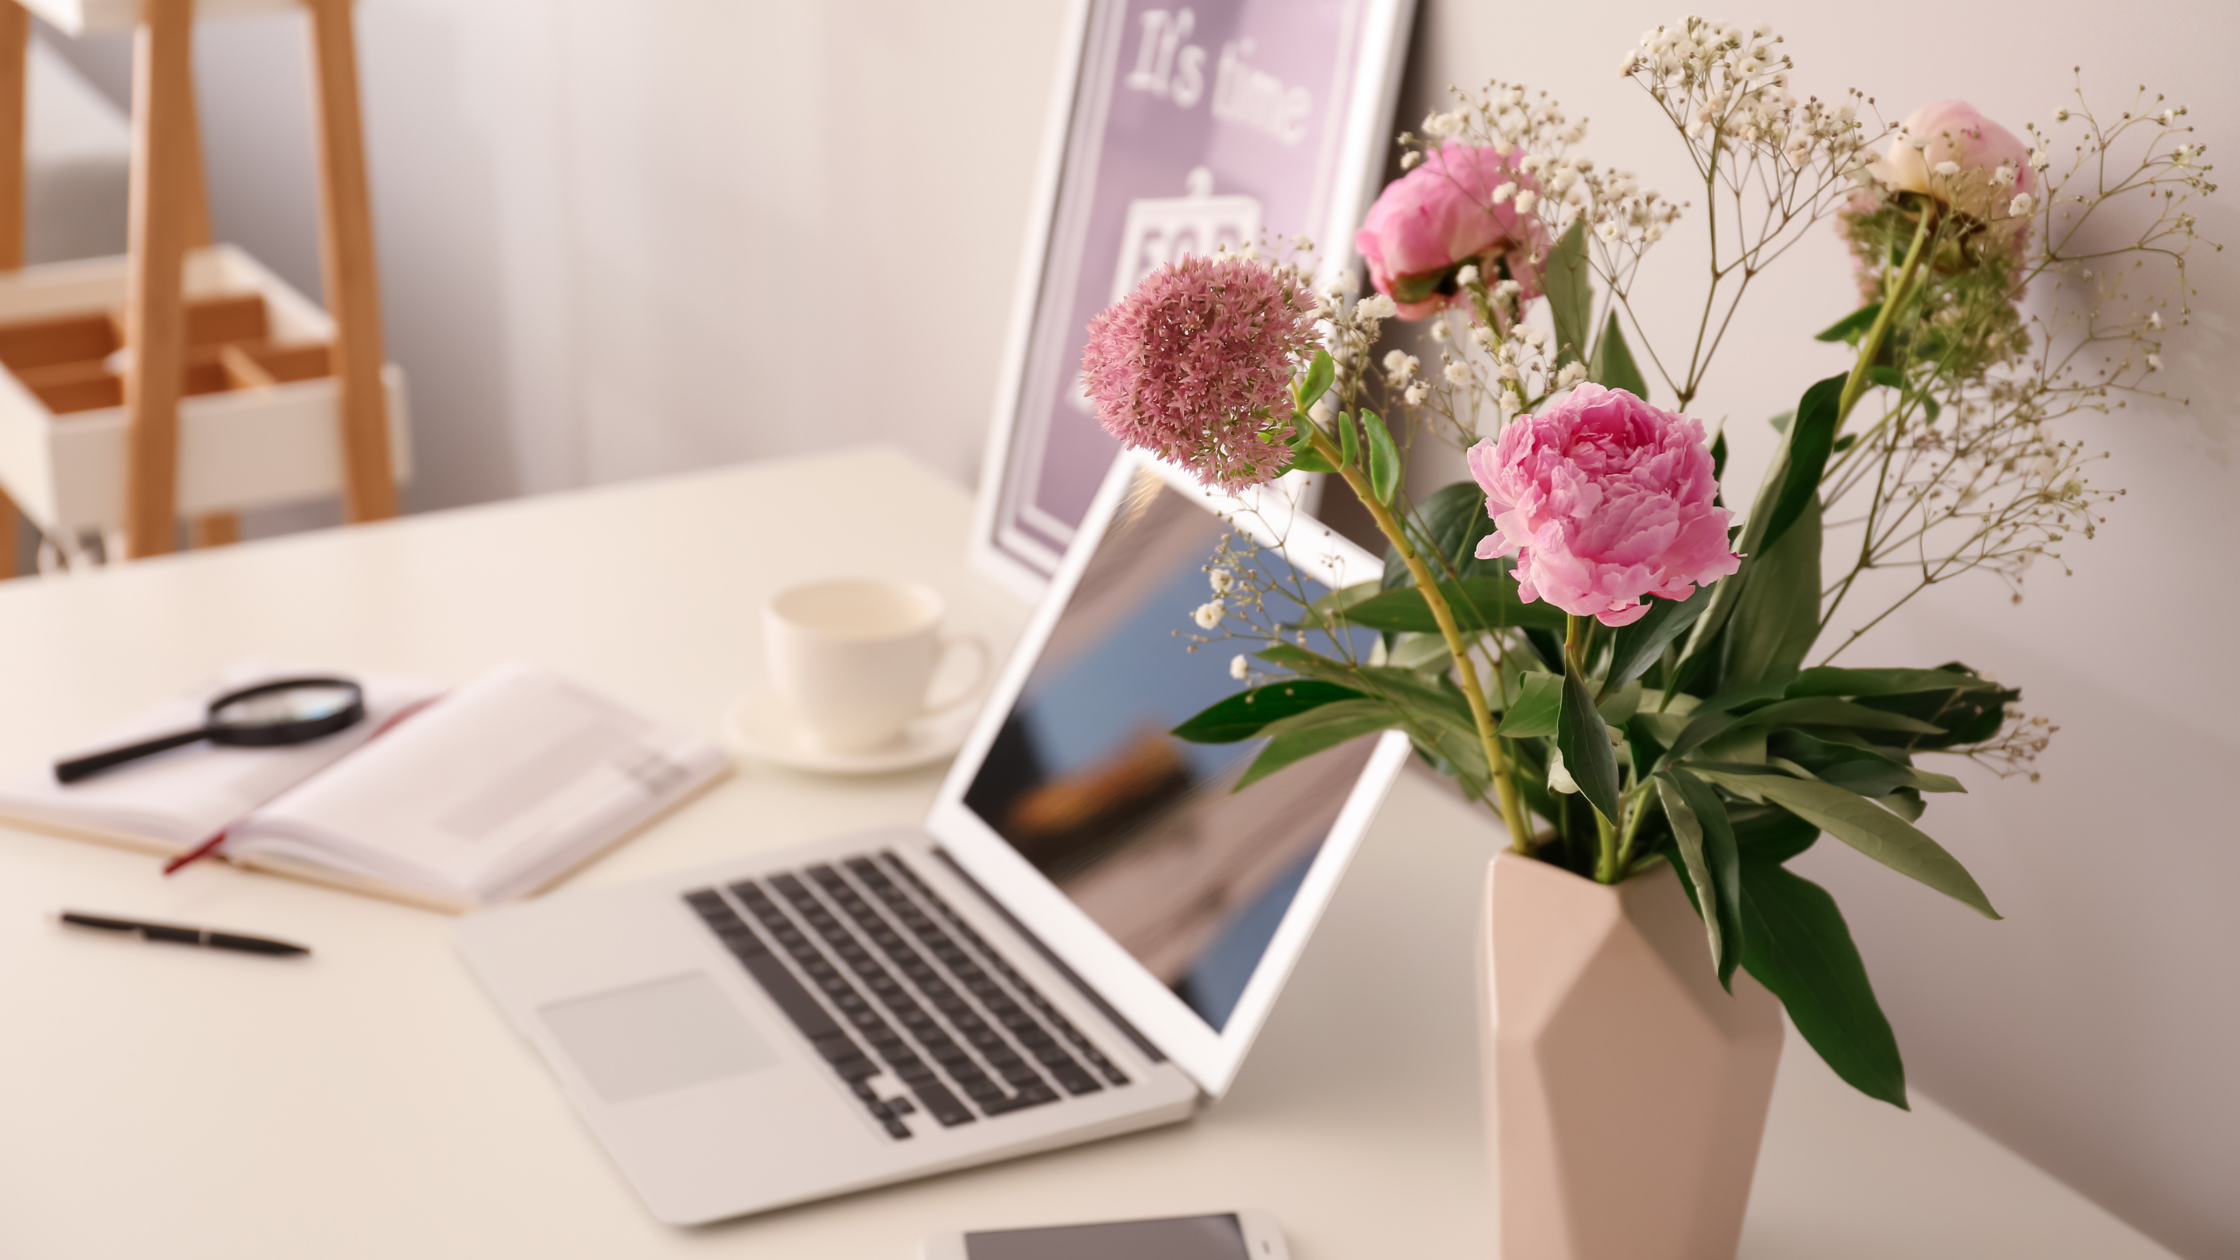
(885,1042)
(1074,1080)
(826,1037)
(875,977)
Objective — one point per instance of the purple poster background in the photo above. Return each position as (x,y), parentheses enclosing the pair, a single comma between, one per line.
(1192,125)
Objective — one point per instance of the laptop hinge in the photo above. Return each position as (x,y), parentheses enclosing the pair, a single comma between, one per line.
(1057,964)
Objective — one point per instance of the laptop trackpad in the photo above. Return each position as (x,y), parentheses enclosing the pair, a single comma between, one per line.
(652,1038)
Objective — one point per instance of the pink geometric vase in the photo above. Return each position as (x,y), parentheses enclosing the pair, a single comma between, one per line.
(1625,1090)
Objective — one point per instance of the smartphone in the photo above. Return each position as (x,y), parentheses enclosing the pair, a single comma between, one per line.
(1227,1236)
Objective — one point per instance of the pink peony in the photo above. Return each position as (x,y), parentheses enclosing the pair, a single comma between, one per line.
(1430,221)
(1951,152)
(1196,363)
(1604,500)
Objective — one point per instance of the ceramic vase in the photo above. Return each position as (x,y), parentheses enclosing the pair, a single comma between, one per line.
(1625,1090)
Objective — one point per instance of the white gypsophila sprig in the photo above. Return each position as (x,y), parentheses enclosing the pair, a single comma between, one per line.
(1771,165)
(1971,467)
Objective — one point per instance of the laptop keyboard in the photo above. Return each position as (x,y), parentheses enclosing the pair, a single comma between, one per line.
(907,990)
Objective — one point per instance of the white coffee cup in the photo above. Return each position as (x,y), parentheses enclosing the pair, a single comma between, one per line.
(853,657)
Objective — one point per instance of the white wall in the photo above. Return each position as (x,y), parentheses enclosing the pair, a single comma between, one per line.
(621,237)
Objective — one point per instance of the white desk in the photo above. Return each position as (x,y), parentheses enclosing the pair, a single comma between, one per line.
(368,1103)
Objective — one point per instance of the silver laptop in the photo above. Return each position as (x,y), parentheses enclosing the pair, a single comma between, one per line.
(1081,940)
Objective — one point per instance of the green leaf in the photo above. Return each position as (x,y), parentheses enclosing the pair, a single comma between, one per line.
(1796,943)
(1778,614)
(1763,833)
(1707,847)
(1832,711)
(1584,739)
(1384,460)
(1331,607)
(1851,327)
(1539,703)
(1965,714)
(1349,446)
(1320,373)
(1811,436)
(1887,376)
(1619,706)
(1477,604)
(1308,733)
(1612,365)
(1421,652)
(1447,526)
(1311,460)
(1826,680)
(1240,717)
(1634,648)
(1755,543)
(1867,827)
(1310,664)
(1567,281)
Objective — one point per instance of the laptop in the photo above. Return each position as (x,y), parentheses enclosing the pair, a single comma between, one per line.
(1081,940)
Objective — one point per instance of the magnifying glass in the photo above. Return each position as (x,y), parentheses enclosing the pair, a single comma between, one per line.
(268,715)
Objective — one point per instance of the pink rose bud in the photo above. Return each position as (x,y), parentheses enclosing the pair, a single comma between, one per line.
(1604,500)
(1429,222)
(1951,152)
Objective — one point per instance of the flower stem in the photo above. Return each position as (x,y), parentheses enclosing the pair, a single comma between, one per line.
(1897,296)
(1606,862)
(1497,765)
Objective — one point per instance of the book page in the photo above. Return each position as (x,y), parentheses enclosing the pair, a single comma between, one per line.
(178,799)
(491,791)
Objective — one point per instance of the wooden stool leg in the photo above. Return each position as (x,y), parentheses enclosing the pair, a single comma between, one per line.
(216,529)
(346,257)
(15,47)
(155,323)
(15,51)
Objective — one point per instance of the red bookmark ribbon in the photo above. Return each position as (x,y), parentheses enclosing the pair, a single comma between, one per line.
(210,846)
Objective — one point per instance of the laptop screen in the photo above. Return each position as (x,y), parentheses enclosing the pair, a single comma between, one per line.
(1145,832)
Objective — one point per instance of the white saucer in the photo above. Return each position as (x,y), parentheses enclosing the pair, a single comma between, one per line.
(759,726)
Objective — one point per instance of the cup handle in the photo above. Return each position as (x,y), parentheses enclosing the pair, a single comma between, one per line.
(971,687)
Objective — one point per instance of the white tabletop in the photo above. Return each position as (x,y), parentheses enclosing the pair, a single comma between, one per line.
(368,1102)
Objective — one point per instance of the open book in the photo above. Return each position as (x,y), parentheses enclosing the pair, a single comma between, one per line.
(479,795)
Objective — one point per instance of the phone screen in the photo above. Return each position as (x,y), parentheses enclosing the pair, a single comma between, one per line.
(1177,1238)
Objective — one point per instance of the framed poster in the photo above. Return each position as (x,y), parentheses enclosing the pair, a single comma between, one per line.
(1175,129)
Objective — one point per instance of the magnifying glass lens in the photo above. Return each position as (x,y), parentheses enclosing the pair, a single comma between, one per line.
(311,702)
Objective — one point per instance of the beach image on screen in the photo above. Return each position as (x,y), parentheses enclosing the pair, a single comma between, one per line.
(1144,831)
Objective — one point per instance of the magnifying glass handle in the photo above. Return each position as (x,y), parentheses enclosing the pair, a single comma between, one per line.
(79,768)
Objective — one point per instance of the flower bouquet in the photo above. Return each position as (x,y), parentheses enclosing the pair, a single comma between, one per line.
(1584,634)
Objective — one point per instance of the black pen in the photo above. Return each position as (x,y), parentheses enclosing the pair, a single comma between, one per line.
(184,935)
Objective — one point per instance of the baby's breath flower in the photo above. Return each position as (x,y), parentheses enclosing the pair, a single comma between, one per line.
(1377,306)
(1572,373)
(1240,667)
(1221,580)
(1417,393)
(1457,374)
(1209,614)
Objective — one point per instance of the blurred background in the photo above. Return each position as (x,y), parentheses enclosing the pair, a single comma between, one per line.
(620,238)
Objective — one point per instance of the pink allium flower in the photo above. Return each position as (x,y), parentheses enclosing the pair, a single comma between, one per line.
(1604,500)
(1951,152)
(1195,363)
(1443,214)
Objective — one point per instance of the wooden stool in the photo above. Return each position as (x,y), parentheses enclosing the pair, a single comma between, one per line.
(170,216)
